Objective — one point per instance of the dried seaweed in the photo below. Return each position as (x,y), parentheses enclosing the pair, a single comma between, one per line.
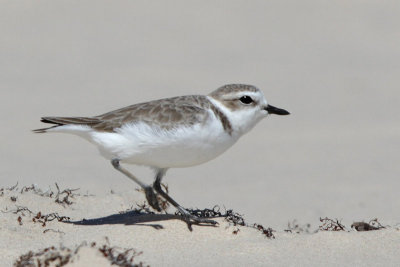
(63,197)
(331,225)
(236,231)
(39,217)
(295,227)
(37,191)
(234,218)
(120,257)
(19,210)
(231,217)
(204,213)
(268,232)
(9,189)
(54,231)
(62,256)
(43,219)
(45,257)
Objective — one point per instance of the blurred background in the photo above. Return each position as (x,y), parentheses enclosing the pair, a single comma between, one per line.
(335,65)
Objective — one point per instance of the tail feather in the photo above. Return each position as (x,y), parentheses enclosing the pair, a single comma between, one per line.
(70,120)
(59,121)
(44,130)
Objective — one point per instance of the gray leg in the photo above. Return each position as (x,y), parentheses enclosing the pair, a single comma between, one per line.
(150,195)
(188,217)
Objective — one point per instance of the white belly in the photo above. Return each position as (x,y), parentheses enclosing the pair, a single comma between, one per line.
(142,144)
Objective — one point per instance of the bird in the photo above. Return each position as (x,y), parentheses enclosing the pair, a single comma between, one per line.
(174,132)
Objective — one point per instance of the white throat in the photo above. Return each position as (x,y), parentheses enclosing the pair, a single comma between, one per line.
(241,121)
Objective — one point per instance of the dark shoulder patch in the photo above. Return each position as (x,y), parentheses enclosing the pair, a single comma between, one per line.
(222,117)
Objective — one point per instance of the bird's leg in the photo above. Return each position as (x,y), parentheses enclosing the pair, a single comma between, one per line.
(148,190)
(188,217)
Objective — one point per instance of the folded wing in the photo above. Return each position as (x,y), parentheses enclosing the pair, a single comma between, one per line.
(166,113)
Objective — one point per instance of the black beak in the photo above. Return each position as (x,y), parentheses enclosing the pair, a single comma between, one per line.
(277,111)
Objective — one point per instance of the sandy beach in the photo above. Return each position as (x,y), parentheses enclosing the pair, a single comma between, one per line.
(119,232)
(334,65)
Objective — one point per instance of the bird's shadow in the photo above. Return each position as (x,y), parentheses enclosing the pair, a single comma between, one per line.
(130,218)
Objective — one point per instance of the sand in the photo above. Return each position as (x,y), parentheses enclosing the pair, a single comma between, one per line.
(157,241)
(334,65)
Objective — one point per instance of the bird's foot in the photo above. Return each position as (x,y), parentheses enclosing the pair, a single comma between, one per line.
(152,198)
(191,219)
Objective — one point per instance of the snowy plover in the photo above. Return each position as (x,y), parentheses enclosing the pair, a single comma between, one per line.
(174,132)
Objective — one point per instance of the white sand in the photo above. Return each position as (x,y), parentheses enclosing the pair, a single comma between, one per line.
(334,65)
(173,244)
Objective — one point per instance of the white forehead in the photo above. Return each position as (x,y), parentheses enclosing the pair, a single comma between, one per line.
(254,95)
(232,91)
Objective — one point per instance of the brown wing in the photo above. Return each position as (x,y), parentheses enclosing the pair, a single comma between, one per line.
(166,113)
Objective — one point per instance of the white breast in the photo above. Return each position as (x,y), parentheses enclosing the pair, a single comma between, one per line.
(142,144)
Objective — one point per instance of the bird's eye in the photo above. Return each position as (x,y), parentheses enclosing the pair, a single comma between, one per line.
(246,99)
